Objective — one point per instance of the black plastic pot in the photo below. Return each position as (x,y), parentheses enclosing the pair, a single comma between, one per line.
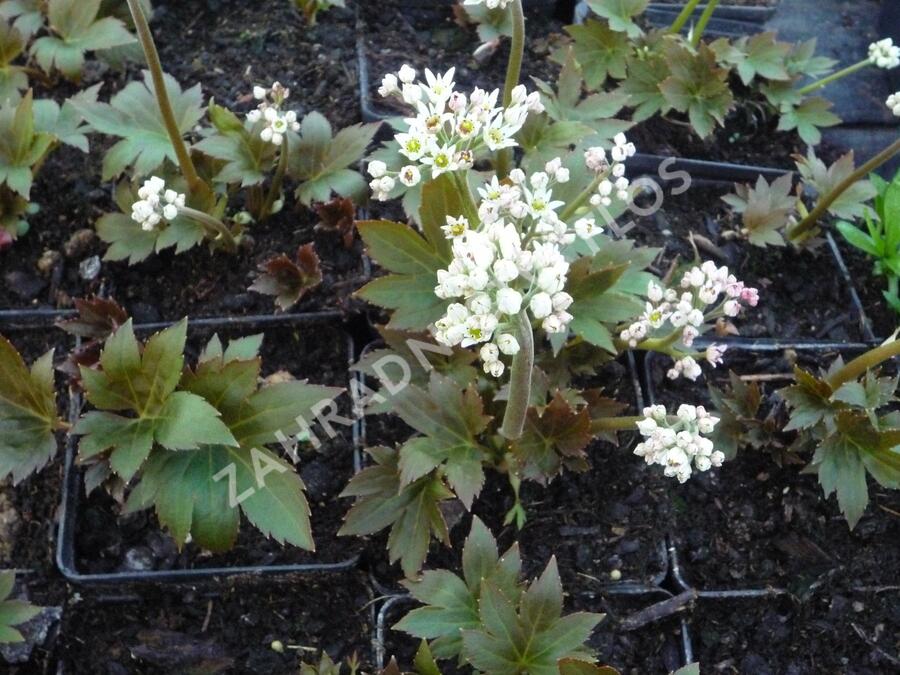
(72,492)
(727,21)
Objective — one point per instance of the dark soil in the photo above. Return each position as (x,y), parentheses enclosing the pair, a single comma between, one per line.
(107,543)
(882,318)
(227,49)
(187,630)
(802,293)
(428,37)
(754,524)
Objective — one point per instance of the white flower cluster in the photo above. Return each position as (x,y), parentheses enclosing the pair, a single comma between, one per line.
(510,262)
(679,447)
(615,181)
(449,127)
(277,123)
(491,4)
(893,102)
(688,311)
(155,204)
(884,54)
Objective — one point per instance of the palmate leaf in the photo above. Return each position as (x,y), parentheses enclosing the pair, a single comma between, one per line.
(64,122)
(413,512)
(12,612)
(23,146)
(289,280)
(807,117)
(246,156)
(28,416)
(451,603)
(77,30)
(320,161)
(765,209)
(492,23)
(803,61)
(697,86)
(620,14)
(851,203)
(13,79)
(601,51)
(809,399)
(133,116)
(759,55)
(597,304)
(27,16)
(531,637)
(553,439)
(642,86)
(413,261)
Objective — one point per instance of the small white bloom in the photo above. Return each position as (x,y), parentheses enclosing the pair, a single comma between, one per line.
(714,354)
(893,102)
(377,168)
(495,368)
(489,353)
(541,305)
(407,74)
(884,54)
(509,301)
(410,175)
(508,344)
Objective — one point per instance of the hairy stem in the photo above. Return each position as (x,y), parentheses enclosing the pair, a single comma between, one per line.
(683,16)
(519,381)
(195,184)
(513,73)
(818,84)
(701,23)
(212,225)
(277,181)
(809,221)
(864,362)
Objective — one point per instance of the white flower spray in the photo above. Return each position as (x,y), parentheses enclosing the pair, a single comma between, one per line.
(679,446)
(277,123)
(156,204)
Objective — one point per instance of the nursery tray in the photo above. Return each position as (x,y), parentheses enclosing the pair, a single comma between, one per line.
(73,493)
(727,21)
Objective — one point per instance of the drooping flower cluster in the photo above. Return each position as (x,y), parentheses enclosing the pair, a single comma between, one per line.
(698,302)
(678,446)
(615,180)
(277,123)
(884,54)
(156,204)
(893,102)
(449,128)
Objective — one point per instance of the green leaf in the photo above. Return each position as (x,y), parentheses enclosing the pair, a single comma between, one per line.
(697,86)
(852,202)
(23,146)
(320,162)
(13,79)
(870,394)
(620,14)
(28,416)
(555,438)
(76,30)
(12,612)
(412,511)
(289,280)
(809,400)
(27,16)
(597,305)
(807,117)
(600,50)
(802,60)
(759,55)
(765,209)
(246,156)
(642,86)
(133,116)
(859,239)
(414,262)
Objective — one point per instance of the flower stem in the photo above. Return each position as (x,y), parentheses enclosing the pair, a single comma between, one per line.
(581,199)
(702,21)
(660,344)
(519,382)
(809,221)
(277,181)
(683,16)
(195,184)
(864,362)
(212,225)
(470,208)
(818,84)
(614,423)
(513,73)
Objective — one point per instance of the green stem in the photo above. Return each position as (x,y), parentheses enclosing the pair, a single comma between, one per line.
(809,221)
(818,84)
(852,370)
(504,158)
(701,23)
(660,344)
(212,225)
(683,16)
(615,423)
(519,382)
(195,184)
(581,199)
(277,181)
(470,208)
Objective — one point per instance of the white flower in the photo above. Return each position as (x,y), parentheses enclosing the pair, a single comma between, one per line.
(505,271)
(259,93)
(884,54)
(595,159)
(586,228)
(517,176)
(508,344)
(561,301)
(389,85)
(714,354)
(679,446)
(407,74)
(541,305)
(155,204)
(489,353)
(410,175)
(893,102)
(376,168)
(509,301)
(495,368)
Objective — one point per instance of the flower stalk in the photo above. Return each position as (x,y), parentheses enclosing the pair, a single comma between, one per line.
(818,84)
(519,382)
(212,225)
(809,220)
(683,16)
(277,181)
(195,183)
(513,73)
(697,33)
(872,358)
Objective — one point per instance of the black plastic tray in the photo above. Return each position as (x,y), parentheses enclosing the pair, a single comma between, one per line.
(72,488)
